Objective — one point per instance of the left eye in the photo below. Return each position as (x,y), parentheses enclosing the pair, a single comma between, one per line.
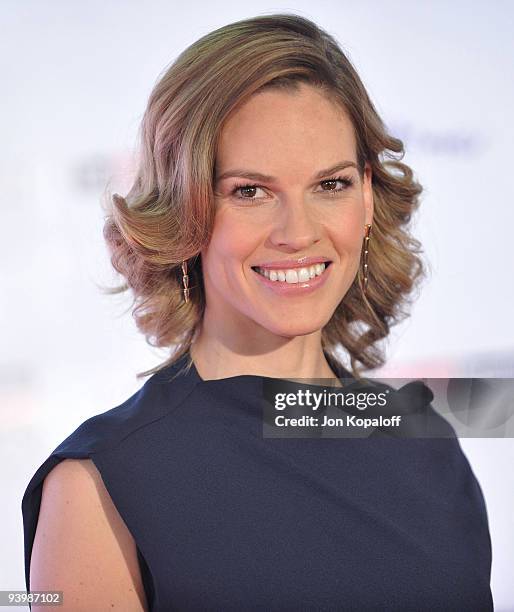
(347,182)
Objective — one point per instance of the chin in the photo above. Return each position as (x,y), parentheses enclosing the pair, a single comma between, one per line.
(293,328)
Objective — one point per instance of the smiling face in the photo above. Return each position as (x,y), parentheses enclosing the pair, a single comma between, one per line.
(299,207)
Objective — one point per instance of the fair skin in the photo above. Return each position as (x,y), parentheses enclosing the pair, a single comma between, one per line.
(82,546)
(248,329)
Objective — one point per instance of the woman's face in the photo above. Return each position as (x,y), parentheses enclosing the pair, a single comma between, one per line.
(301,206)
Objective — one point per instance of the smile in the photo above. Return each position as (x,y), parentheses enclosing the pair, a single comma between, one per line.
(293,275)
(293,282)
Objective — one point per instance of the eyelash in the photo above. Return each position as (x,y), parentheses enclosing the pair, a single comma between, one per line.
(347,181)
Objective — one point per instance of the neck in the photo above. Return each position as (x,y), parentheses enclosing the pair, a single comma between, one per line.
(301,357)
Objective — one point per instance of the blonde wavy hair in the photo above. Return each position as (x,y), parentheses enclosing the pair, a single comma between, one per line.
(167,216)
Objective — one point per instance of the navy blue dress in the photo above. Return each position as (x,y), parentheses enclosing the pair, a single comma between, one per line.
(226,519)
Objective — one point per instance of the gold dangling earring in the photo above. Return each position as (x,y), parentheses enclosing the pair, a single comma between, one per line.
(185,281)
(365,260)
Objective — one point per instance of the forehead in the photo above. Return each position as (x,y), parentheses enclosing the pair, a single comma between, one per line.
(275,127)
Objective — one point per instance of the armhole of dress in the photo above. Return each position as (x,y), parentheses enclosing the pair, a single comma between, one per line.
(147,578)
(31,513)
(31,506)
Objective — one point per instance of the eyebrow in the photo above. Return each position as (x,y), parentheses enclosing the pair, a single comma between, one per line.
(265,178)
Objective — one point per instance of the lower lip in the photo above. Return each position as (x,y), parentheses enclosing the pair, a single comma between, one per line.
(292,289)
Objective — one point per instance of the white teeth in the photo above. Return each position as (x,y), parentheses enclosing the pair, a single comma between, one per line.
(293,275)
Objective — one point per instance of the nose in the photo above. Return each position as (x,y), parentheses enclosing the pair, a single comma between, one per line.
(295,226)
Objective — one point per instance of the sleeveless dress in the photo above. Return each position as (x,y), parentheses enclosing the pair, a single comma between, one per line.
(226,519)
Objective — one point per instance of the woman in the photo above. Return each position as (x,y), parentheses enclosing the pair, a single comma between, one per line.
(246,240)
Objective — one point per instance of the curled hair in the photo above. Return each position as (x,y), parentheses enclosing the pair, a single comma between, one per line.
(168,214)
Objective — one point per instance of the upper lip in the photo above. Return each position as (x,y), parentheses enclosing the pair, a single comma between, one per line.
(300,262)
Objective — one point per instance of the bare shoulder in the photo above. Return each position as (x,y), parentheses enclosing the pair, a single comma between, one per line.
(82,546)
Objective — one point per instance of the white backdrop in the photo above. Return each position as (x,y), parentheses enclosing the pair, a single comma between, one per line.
(75,79)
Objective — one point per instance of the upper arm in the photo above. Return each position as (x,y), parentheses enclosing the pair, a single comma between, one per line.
(82,546)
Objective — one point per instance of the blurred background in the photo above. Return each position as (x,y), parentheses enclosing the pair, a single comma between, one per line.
(75,80)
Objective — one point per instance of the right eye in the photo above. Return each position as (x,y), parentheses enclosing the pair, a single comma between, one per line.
(245,188)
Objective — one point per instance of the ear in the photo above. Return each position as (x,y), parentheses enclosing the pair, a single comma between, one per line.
(367,190)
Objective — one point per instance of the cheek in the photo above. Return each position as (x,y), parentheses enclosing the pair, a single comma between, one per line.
(230,244)
(347,231)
